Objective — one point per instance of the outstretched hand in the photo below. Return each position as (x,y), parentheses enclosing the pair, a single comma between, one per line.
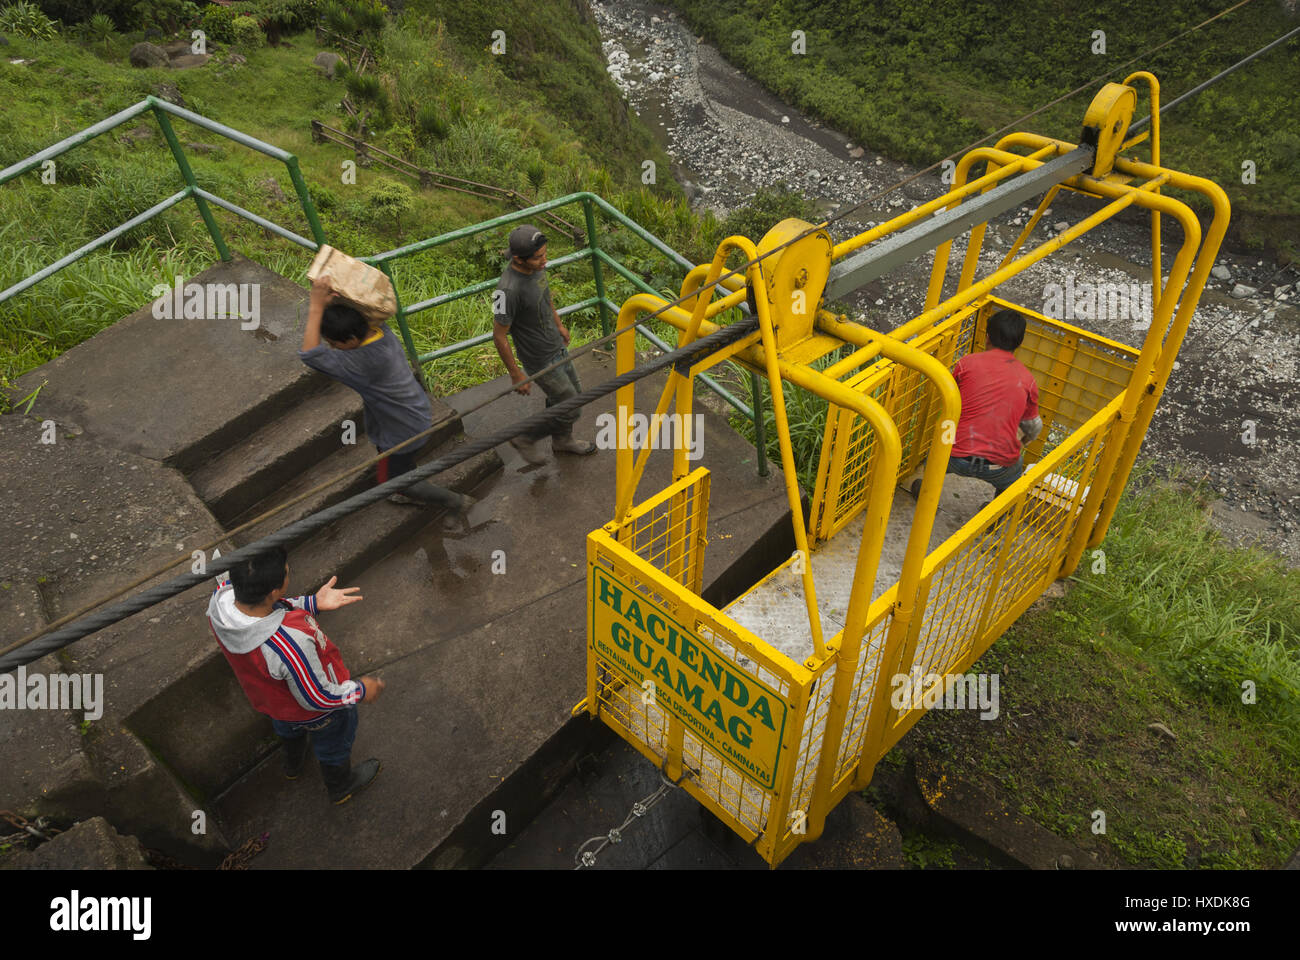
(329,598)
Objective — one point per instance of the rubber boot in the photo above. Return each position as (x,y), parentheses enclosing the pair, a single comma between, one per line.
(564,443)
(344,781)
(527,448)
(428,494)
(295,752)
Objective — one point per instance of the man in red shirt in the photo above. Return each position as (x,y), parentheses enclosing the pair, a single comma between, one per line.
(999,407)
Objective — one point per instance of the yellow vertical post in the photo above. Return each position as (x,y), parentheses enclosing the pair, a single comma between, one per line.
(625,356)
(1154,84)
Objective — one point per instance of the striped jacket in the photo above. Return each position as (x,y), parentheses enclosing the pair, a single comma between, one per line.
(287,666)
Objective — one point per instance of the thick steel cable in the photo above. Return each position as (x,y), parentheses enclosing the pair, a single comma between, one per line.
(1138,124)
(684,358)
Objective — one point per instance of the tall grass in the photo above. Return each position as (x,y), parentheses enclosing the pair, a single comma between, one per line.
(1224,622)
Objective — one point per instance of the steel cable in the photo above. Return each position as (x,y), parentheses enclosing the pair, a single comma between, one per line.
(24,653)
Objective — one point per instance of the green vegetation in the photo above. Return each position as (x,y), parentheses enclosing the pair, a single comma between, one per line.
(919,81)
(1167,634)
(452,106)
(26,20)
(923,852)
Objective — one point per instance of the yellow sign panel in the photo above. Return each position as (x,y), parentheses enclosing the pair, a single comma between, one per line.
(740,717)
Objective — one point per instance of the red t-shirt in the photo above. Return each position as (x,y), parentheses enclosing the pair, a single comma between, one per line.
(997,392)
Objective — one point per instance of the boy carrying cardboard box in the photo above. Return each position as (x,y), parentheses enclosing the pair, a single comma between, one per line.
(368,357)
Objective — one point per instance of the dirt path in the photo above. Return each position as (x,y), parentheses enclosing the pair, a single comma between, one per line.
(1236,377)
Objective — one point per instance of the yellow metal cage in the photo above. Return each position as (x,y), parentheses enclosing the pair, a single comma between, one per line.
(770,735)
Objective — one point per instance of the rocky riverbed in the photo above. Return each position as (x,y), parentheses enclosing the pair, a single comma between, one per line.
(1229,413)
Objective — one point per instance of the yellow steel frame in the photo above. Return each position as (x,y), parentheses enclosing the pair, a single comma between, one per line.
(890,400)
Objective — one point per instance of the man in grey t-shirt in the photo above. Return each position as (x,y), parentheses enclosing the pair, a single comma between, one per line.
(522,308)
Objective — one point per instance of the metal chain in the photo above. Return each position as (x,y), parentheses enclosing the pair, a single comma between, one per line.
(39,828)
(240,858)
(587,858)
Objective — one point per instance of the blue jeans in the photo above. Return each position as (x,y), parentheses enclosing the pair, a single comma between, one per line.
(331,735)
(1001,477)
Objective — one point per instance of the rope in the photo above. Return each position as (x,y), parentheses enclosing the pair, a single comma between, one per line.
(23,653)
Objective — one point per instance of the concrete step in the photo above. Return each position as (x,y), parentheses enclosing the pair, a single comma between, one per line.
(60,768)
(183,390)
(273,456)
(355,543)
(326,468)
(333,460)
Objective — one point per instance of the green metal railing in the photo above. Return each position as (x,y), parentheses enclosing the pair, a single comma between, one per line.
(160,109)
(592,253)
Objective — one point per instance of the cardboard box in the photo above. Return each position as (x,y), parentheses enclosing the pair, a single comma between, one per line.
(366,287)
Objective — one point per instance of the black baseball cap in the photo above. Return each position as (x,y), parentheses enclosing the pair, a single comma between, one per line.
(525,241)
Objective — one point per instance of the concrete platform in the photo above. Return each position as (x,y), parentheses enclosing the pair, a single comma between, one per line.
(83,518)
(482,667)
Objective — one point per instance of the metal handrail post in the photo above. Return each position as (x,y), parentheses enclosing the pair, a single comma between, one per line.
(760,427)
(590,216)
(187,172)
(400,317)
(304,198)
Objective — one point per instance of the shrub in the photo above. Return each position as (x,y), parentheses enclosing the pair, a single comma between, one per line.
(121,12)
(431,121)
(387,198)
(284,16)
(99,27)
(166,15)
(362,21)
(401,141)
(218,23)
(324,198)
(27,20)
(247,34)
(536,175)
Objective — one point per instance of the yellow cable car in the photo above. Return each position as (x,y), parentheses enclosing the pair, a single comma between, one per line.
(769,711)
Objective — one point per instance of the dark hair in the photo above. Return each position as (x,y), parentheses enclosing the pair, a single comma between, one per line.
(342,322)
(254,579)
(1006,330)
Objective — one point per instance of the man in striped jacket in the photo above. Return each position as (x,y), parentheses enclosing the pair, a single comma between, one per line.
(290,670)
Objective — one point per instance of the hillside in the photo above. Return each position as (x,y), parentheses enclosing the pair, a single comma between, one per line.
(450,105)
(919,81)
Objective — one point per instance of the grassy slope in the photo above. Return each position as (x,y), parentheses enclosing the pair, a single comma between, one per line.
(920,80)
(505,124)
(1167,634)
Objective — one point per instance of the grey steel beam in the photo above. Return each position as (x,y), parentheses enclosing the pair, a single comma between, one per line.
(878,259)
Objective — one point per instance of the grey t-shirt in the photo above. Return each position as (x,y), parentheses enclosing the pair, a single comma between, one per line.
(396,406)
(526,309)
